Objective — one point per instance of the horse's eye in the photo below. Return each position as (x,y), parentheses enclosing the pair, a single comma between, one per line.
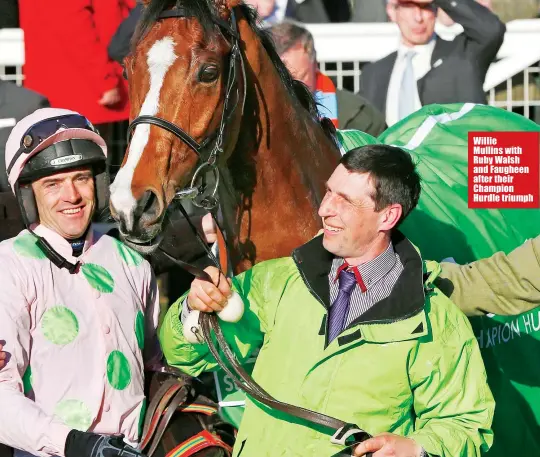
(208,73)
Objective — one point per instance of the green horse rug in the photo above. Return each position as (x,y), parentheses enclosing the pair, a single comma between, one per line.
(443,227)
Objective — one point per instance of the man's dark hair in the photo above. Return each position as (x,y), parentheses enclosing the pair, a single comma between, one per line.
(393,173)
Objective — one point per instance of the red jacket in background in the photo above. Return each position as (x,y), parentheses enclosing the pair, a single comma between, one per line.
(66,54)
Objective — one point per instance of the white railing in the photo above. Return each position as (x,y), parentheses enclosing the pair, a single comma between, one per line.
(513,81)
(12,55)
(342,50)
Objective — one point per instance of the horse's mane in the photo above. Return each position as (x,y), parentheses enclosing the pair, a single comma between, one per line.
(205,12)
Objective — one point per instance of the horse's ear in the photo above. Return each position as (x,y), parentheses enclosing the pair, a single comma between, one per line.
(224,7)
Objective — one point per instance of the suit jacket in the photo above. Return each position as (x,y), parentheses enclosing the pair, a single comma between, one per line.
(15,103)
(120,44)
(319,11)
(458,67)
(355,112)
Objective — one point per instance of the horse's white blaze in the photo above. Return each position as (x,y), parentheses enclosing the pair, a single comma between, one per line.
(160,58)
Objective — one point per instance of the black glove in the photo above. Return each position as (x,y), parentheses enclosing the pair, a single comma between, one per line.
(86,444)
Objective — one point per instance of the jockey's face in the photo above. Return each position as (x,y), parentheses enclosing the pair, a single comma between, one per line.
(353,228)
(301,65)
(66,201)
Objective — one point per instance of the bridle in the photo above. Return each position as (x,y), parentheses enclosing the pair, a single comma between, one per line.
(208,151)
(211,147)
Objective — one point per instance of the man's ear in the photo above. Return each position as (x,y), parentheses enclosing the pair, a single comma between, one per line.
(391,9)
(390,217)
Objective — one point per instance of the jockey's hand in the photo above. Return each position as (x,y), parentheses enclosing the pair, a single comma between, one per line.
(389,445)
(3,356)
(207,297)
(86,444)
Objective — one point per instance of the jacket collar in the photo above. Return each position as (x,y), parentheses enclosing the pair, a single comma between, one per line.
(61,245)
(406,299)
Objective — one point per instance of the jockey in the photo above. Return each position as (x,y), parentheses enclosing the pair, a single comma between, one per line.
(77,307)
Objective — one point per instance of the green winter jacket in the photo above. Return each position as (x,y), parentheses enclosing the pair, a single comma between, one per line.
(410,365)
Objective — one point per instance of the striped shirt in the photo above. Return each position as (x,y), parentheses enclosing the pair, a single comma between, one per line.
(379,276)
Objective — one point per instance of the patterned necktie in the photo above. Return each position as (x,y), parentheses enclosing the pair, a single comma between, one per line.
(340,307)
(408,88)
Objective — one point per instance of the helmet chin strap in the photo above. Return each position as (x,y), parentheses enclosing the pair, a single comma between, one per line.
(53,256)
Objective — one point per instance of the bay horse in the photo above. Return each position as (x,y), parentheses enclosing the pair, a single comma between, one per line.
(274,153)
(208,89)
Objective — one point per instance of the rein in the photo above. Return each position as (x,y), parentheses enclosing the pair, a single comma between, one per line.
(345,434)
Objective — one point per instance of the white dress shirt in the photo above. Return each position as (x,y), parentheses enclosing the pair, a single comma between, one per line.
(278,15)
(421,65)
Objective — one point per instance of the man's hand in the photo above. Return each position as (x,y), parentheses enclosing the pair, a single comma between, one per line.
(110,98)
(389,445)
(207,297)
(3,356)
(87,444)
(209,228)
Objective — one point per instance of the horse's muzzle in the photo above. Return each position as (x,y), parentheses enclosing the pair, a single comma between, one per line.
(140,226)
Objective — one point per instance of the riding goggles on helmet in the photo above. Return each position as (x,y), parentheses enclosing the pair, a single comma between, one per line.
(42,130)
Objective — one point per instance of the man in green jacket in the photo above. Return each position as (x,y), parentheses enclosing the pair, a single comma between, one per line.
(352,326)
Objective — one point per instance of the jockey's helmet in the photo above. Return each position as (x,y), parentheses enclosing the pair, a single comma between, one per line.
(48,141)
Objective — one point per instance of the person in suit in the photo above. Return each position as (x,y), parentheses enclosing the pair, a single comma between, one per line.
(427,69)
(444,19)
(295,46)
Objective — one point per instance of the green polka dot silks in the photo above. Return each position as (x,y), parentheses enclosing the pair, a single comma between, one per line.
(74,413)
(139,329)
(118,370)
(128,255)
(98,277)
(27,380)
(25,245)
(59,325)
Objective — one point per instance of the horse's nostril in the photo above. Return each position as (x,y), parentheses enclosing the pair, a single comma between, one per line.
(148,207)
(151,200)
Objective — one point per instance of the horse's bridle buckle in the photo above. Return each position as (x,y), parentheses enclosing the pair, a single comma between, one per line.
(350,430)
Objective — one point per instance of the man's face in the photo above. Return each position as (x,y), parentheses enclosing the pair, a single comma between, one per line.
(301,65)
(66,201)
(351,224)
(415,19)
